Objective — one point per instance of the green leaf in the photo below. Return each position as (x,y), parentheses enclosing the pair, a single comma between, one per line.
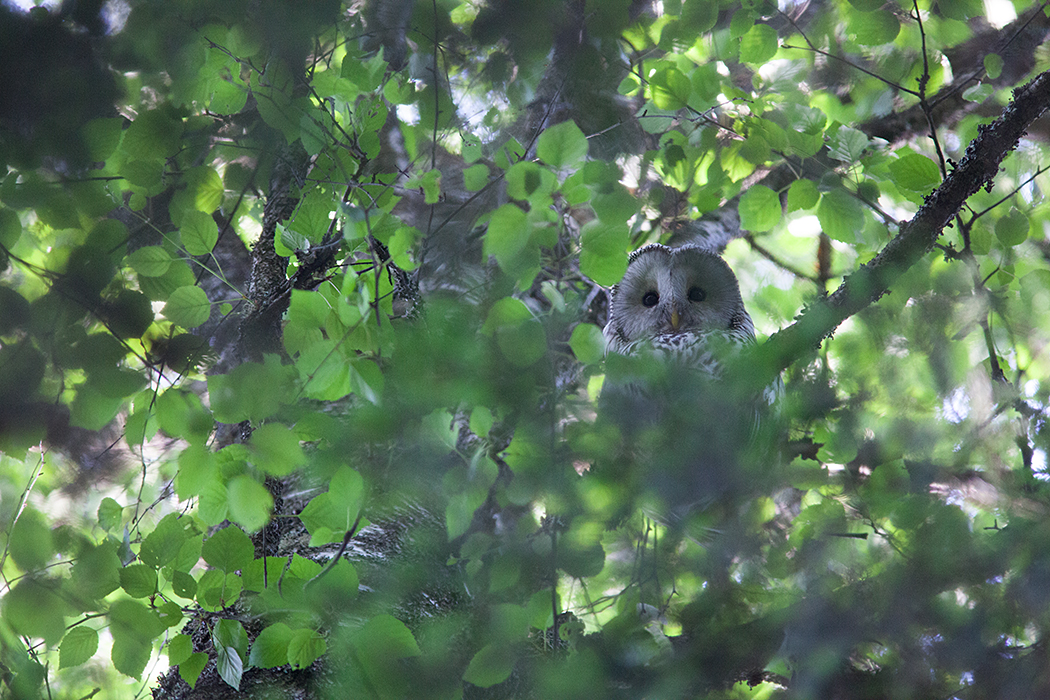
(270,648)
(96,573)
(228,97)
(526,180)
(587,343)
(154,134)
(603,255)
(847,145)
(228,550)
(231,647)
(504,573)
(740,23)
(476,177)
(79,645)
(180,413)
(252,391)
(388,638)
(507,234)
(133,627)
(184,585)
(204,192)
(30,543)
(149,261)
(304,647)
(138,580)
(198,468)
(580,553)
(993,65)
(614,206)
(199,232)
(519,335)
(179,649)
(336,510)
(129,315)
(187,307)
(962,10)
(431,184)
(699,15)
(190,669)
(509,153)
(1012,229)
(759,209)
(758,45)
(840,216)
(312,134)
(162,545)
(670,89)
(110,514)
(102,136)
(216,591)
(491,665)
(275,449)
(159,288)
(324,370)
(10,228)
(873,28)
(170,613)
(562,145)
(915,172)
(34,608)
(802,194)
(313,217)
(459,511)
(250,502)
(978,93)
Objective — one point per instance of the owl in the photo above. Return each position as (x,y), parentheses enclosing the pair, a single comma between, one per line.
(675,320)
(673,302)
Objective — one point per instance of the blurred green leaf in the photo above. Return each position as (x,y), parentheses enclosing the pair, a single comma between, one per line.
(1012,229)
(915,172)
(759,209)
(670,89)
(562,145)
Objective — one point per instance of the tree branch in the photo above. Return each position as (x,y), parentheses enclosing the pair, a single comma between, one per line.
(916,238)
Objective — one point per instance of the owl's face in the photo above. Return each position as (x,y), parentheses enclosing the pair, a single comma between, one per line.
(667,292)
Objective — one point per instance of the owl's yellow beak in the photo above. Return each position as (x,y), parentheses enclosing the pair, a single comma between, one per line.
(675,319)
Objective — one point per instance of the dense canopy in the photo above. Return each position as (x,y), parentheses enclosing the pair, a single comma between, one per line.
(301,354)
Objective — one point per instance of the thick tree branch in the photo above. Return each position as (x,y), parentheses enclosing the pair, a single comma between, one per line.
(916,238)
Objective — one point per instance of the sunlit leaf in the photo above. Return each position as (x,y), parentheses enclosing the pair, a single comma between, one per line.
(79,645)
(562,145)
(188,307)
(759,209)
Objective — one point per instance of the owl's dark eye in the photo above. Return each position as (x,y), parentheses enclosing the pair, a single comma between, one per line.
(650,299)
(697,294)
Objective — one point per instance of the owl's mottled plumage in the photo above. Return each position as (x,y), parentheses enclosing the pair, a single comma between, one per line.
(676,318)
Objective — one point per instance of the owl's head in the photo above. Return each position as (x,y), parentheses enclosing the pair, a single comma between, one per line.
(669,291)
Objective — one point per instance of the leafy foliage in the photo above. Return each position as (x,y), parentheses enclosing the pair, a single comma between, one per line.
(301,353)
